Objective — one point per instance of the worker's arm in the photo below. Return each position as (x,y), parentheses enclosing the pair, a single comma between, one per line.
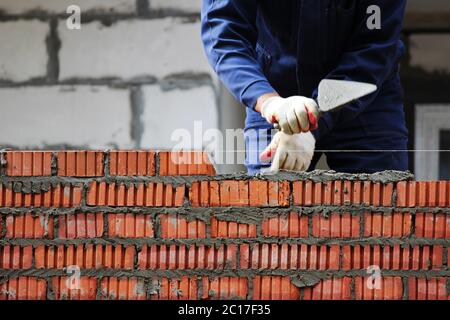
(370,57)
(229,36)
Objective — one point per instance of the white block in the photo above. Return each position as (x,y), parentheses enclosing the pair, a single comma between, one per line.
(192,6)
(60,6)
(176,112)
(97,117)
(23,52)
(430,52)
(129,49)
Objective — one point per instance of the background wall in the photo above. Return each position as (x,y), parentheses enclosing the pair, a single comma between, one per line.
(136,71)
(133,73)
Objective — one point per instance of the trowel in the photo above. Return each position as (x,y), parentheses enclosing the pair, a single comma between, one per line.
(335,94)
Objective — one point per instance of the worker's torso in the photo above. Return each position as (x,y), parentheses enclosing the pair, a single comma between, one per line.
(301,41)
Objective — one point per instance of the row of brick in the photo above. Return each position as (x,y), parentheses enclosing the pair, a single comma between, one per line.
(258,256)
(402,194)
(92,163)
(193,288)
(240,193)
(257,193)
(141,194)
(57,196)
(176,226)
(309,193)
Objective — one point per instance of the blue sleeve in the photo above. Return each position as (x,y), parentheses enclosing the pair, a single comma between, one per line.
(229,36)
(370,57)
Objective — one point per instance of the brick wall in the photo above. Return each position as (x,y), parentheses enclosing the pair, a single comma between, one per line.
(108,84)
(144,225)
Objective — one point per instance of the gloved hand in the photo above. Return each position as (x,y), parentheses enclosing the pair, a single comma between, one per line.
(290,152)
(294,114)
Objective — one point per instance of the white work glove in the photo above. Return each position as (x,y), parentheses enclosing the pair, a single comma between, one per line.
(290,152)
(294,114)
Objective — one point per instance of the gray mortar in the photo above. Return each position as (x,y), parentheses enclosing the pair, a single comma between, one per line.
(3,162)
(54,164)
(137,108)
(217,242)
(315,176)
(234,214)
(106,163)
(448,286)
(352,289)
(306,280)
(143,7)
(53,44)
(405,288)
(3,224)
(300,278)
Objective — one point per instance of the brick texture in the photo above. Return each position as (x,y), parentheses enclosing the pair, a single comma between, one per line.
(160,225)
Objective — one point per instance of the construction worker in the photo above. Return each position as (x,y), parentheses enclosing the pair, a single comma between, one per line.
(272,54)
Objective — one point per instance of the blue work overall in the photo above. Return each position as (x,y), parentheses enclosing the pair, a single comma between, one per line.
(288,46)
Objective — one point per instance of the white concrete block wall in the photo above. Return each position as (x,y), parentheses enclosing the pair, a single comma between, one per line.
(16,7)
(132,48)
(60,115)
(169,115)
(23,52)
(185,5)
(102,86)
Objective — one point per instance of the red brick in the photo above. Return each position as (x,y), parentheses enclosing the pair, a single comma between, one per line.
(16,257)
(185,163)
(274,288)
(292,256)
(427,289)
(130,225)
(151,195)
(443,194)
(406,194)
(132,163)
(65,289)
(88,257)
(80,225)
(183,257)
(224,288)
(174,289)
(336,225)
(29,226)
(28,163)
(175,226)
(298,193)
(229,229)
(258,193)
(437,257)
(383,288)
(330,289)
(206,194)
(80,163)
(58,197)
(432,225)
(24,288)
(373,224)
